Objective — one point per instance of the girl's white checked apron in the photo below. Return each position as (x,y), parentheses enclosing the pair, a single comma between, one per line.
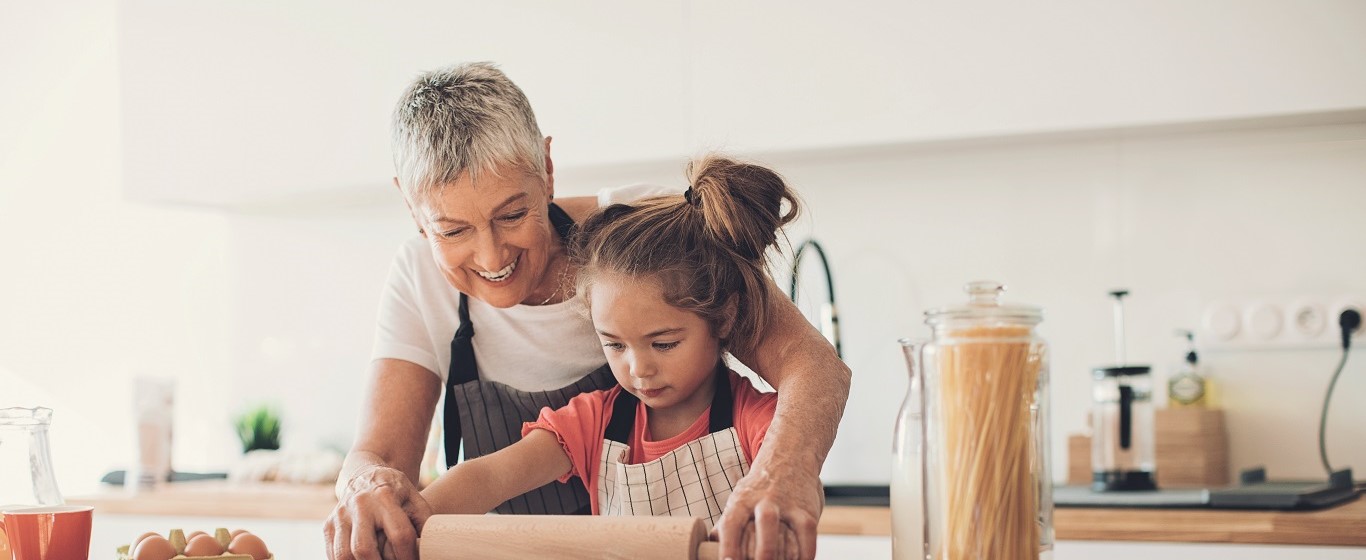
(694,480)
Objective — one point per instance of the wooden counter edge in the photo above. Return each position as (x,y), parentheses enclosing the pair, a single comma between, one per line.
(1344,525)
(303,502)
(1341,525)
(855,520)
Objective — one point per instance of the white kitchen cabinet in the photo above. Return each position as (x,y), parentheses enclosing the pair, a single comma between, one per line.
(774,75)
(780,75)
(234,104)
(231,103)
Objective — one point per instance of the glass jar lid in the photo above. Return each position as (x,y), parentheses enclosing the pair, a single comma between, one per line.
(984,304)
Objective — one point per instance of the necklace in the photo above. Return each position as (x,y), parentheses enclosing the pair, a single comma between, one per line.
(550,297)
(560,284)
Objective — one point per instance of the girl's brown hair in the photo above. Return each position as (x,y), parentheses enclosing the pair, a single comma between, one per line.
(707,248)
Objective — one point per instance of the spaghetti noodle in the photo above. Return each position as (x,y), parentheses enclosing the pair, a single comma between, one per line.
(988,379)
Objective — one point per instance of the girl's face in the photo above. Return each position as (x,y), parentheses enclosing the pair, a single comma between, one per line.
(663,355)
(494,241)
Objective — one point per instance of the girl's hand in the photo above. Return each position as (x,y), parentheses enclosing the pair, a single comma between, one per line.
(771,518)
(378,517)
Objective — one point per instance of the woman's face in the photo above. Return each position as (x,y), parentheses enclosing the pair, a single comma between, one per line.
(493,239)
(663,355)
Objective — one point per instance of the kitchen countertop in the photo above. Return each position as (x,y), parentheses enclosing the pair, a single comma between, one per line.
(1344,525)
(219,498)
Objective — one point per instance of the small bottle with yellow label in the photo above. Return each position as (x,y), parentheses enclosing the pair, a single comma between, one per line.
(1189,387)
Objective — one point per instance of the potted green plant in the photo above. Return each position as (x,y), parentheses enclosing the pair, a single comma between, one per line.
(259,428)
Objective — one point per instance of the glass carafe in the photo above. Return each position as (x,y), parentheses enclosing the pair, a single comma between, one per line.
(26,477)
(984,374)
(908,486)
(1122,444)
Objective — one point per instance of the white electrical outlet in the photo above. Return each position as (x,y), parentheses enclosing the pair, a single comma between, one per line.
(1308,318)
(1303,321)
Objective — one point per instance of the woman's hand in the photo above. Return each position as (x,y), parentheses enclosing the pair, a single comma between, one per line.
(378,517)
(772,517)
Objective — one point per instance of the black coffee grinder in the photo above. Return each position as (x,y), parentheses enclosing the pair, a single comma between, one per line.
(1122,446)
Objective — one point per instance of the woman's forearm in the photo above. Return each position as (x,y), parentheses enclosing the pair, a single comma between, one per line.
(394,421)
(812,383)
(811,402)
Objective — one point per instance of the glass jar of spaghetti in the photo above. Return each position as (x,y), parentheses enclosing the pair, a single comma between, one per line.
(988,491)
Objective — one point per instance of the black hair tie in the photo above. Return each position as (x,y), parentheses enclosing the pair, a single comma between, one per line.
(692,197)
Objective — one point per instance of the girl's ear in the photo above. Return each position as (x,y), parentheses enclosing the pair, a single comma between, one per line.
(728,317)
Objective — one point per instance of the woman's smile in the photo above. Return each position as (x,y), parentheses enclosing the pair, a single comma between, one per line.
(501,275)
(494,241)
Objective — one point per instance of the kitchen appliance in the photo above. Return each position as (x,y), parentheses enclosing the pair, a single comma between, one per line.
(1122,447)
(985,461)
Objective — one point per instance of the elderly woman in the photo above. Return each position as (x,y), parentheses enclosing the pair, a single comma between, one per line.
(478,309)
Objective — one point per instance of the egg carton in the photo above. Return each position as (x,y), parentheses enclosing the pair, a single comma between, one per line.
(177,538)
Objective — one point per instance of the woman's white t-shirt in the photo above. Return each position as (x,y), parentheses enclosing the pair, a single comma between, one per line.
(527,347)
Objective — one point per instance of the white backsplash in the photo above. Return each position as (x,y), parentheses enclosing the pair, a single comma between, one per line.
(1179,218)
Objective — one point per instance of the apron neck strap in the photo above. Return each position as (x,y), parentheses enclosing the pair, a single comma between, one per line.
(722,415)
(564,225)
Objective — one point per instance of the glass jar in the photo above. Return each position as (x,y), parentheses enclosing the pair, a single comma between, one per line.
(908,485)
(988,492)
(26,476)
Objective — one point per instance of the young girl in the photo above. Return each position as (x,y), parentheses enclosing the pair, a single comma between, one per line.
(672,283)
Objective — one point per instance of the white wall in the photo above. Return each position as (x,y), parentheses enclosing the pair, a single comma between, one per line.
(1181,216)
(1180,219)
(94,290)
(634,80)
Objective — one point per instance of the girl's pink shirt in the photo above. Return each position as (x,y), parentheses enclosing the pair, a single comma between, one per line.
(579,426)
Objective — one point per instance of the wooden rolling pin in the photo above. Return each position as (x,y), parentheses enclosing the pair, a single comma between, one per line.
(570,537)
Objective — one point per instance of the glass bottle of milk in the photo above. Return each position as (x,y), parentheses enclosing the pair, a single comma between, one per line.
(907,490)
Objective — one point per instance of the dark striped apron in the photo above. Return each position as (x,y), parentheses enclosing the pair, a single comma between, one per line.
(694,480)
(488,416)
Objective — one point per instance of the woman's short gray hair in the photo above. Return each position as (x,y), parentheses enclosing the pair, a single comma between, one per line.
(463,118)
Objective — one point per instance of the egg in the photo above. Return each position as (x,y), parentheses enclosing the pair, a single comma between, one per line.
(155,547)
(247,543)
(236,532)
(203,545)
(191,536)
(134,545)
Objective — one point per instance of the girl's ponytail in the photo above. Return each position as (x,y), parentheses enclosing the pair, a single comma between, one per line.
(707,248)
(741,204)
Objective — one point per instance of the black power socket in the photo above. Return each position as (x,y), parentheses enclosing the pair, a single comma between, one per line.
(1350,322)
